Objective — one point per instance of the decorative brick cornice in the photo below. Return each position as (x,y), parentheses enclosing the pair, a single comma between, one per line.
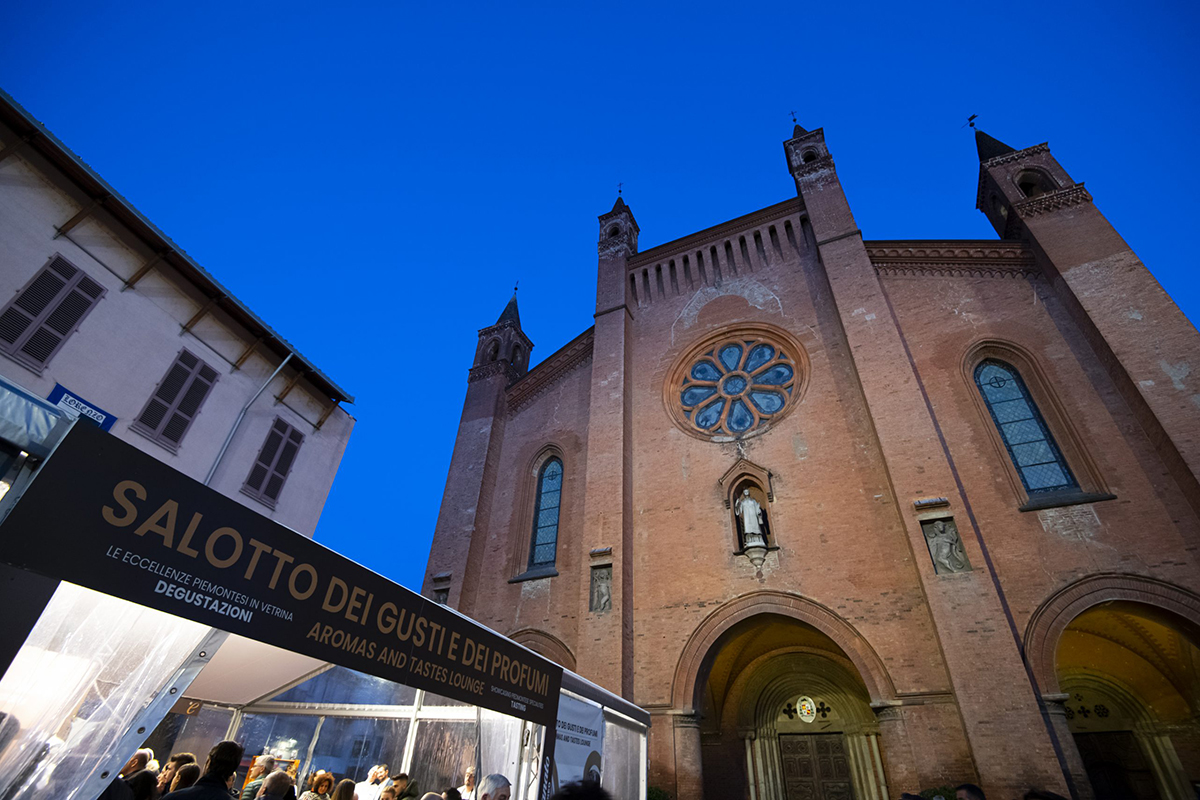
(607,248)
(1052,201)
(485,371)
(1008,158)
(544,376)
(940,259)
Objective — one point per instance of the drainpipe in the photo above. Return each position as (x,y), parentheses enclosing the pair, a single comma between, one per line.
(242,415)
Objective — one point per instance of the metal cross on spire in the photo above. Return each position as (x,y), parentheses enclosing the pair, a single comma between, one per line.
(619,185)
(515,285)
(793,113)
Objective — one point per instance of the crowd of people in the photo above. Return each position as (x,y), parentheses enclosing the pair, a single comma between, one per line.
(182,778)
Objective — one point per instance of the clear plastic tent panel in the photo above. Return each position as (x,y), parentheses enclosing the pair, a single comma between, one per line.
(443,750)
(349,746)
(195,733)
(89,666)
(342,685)
(621,774)
(282,735)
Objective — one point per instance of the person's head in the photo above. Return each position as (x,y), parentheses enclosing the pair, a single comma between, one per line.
(173,764)
(581,790)
(276,784)
(185,776)
(383,771)
(323,783)
(968,791)
(469,778)
(137,761)
(223,760)
(451,793)
(388,793)
(344,790)
(494,787)
(431,796)
(400,781)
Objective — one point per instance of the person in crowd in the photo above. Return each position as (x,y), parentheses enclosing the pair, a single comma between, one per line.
(262,767)
(406,788)
(219,771)
(276,786)
(167,775)
(451,794)
(581,790)
(140,778)
(968,791)
(344,790)
(322,785)
(117,790)
(467,790)
(494,787)
(373,785)
(185,776)
(388,793)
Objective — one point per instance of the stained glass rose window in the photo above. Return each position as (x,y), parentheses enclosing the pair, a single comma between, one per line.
(735,386)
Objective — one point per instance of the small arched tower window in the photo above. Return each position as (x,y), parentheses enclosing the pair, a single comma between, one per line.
(544,543)
(517,355)
(1034,184)
(1032,448)
(493,351)
(614,231)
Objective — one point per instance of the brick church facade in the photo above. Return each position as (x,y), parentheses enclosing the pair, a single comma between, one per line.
(850,517)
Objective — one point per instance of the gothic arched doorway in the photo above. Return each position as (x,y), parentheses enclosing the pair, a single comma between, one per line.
(1130,690)
(784,714)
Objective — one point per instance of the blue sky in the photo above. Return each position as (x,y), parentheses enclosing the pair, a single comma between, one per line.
(372,179)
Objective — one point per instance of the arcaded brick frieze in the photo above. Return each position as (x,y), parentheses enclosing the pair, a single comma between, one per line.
(544,376)
(974,259)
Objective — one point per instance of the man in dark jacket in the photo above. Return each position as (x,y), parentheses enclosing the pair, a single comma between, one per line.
(219,769)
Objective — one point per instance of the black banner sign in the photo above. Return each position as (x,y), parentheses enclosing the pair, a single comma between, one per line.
(102,514)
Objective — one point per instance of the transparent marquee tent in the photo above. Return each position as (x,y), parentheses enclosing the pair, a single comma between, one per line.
(90,677)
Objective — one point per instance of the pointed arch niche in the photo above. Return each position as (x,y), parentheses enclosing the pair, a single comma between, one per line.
(745,475)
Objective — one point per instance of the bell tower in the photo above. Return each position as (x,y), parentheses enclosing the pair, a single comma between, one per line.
(501,359)
(1142,337)
(503,347)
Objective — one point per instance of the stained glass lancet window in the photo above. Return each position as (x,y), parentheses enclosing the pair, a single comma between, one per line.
(545,514)
(1032,449)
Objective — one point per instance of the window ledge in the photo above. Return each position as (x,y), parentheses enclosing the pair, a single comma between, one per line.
(170,448)
(534,573)
(1069,498)
(771,548)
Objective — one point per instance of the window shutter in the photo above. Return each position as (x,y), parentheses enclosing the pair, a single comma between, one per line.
(38,320)
(274,462)
(170,410)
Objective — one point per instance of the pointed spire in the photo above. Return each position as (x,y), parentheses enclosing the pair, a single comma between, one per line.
(510,313)
(798,131)
(617,206)
(989,147)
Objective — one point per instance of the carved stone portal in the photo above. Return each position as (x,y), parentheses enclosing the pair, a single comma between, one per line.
(945,546)
(601,592)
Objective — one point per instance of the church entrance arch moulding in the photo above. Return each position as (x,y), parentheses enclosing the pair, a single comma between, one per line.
(689,679)
(1047,624)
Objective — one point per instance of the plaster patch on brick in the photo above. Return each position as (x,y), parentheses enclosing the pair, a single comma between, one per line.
(1073,522)
(1196,400)
(1176,372)
(748,289)
(1146,384)
(1133,313)
(799,446)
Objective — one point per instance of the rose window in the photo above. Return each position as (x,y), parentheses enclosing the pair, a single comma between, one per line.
(736,385)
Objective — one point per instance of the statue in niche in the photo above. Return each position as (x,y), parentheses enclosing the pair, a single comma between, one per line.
(750,513)
(945,546)
(601,599)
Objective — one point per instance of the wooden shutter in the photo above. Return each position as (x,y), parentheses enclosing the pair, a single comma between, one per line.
(274,462)
(48,310)
(170,410)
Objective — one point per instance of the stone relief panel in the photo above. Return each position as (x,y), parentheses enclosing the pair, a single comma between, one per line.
(945,546)
(601,591)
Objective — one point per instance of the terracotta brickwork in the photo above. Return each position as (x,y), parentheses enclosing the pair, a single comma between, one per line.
(952,662)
